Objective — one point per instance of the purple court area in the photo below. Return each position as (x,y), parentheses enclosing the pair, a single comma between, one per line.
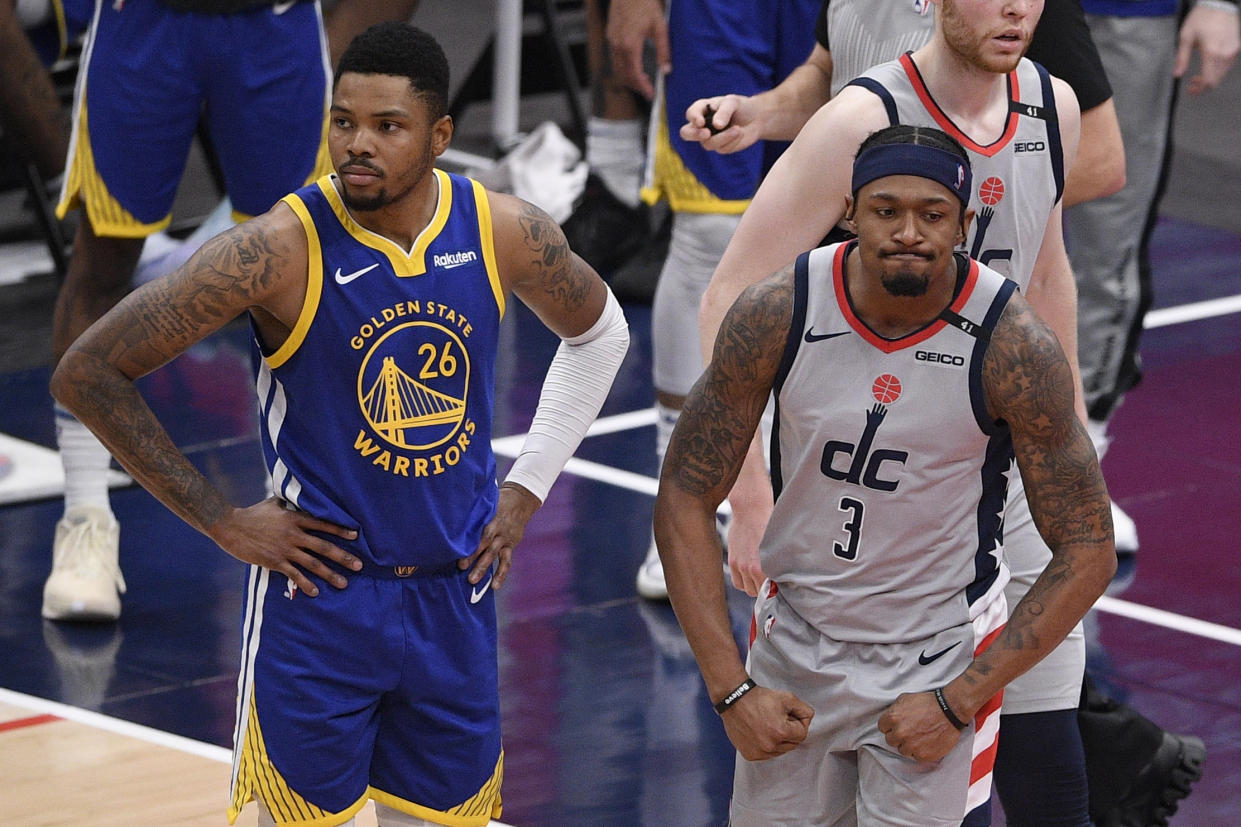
(606,720)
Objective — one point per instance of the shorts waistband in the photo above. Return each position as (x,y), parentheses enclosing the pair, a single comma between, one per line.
(403,572)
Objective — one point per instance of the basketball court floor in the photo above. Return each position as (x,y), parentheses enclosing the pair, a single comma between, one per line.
(605,718)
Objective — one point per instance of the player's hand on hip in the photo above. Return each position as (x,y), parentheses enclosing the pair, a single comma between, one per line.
(270,535)
(767,723)
(723,124)
(501,535)
(917,728)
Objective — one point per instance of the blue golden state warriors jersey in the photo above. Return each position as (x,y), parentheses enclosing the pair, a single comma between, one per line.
(376,412)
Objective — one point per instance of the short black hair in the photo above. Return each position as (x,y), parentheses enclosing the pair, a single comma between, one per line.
(402,50)
(919,135)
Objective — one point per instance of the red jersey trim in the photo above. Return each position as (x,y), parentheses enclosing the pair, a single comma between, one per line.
(875,340)
(945,123)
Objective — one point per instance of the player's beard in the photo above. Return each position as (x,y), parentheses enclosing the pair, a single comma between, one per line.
(416,172)
(905,283)
(967,44)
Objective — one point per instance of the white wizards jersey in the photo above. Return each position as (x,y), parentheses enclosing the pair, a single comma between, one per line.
(890,477)
(1018,178)
(865,33)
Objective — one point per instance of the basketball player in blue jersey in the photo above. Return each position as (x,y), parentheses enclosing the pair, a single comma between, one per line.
(906,379)
(255,74)
(740,44)
(375,296)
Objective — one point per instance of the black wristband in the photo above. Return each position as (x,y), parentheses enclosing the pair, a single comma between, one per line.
(734,696)
(948,713)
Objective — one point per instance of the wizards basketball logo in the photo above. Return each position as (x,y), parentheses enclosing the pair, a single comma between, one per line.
(990,194)
(861,463)
(413,383)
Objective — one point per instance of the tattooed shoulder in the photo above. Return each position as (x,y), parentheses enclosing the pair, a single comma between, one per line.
(753,335)
(231,272)
(547,261)
(1026,376)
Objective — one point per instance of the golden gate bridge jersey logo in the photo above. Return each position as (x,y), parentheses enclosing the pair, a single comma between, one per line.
(413,385)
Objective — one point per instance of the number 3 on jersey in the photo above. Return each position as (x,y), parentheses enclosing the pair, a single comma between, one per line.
(852,527)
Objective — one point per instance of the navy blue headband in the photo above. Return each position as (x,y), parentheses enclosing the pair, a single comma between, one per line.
(913,159)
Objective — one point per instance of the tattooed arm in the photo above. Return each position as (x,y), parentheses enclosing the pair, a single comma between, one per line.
(705,454)
(259,265)
(1028,384)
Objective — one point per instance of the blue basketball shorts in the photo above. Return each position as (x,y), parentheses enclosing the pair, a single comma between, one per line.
(65,23)
(258,80)
(386,689)
(719,48)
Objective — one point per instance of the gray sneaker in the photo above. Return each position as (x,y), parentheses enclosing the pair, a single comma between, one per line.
(85,583)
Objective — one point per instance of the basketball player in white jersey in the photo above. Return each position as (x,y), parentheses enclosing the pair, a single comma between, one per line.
(906,377)
(1021,129)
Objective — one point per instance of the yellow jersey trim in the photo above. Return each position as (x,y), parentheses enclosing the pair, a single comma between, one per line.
(486,235)
(257,774)
(477,811)
(404,264)
(62,28)
(85,187)
(314,285)
(673,181)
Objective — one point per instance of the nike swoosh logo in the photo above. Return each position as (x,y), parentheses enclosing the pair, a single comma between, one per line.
(924,658)
(346,279)
(476,594)
(811,336)
(281,8)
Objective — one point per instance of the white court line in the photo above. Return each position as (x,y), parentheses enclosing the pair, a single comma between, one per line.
(1192,312)
(510,445)
(116,725)
(127,728)
(1169,620)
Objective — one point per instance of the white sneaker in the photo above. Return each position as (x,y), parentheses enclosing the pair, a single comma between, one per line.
(1125,531)
(650,580)
(86,582)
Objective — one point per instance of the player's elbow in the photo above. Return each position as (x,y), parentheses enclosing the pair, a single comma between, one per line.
(69,379)
(1112,175)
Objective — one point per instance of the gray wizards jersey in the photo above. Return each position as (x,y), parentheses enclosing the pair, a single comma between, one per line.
(890,477)
(865,33)
(1018,178)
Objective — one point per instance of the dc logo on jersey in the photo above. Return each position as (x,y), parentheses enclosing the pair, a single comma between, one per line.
(865,464)
(921,6)
(412,390)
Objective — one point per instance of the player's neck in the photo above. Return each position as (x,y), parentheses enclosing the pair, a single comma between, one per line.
(404,218)
(892,316)
(974,98)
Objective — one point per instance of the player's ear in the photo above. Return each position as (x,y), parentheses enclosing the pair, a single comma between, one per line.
(849,215)
(966,219)
(441,134)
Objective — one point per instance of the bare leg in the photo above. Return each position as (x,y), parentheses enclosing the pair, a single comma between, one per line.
(30,111)
(86,582)
(98,278)
(352,17)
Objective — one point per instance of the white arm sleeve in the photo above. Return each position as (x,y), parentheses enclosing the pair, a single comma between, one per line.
(577,382)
